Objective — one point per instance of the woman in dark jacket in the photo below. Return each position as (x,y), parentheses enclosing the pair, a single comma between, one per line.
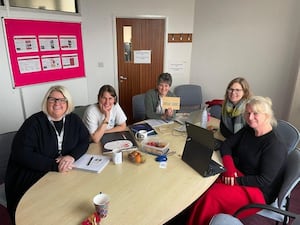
(50,140)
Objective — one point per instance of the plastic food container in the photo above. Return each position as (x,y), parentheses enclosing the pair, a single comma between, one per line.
(155,146)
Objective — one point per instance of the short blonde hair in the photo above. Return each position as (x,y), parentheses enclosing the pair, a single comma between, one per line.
(263,105)
(63,90)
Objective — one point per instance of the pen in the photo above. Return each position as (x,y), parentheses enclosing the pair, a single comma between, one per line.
(124,137)
(90,161)
(151,132)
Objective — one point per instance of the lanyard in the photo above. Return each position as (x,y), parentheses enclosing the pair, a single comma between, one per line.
(60,137)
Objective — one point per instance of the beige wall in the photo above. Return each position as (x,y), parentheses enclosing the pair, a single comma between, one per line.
(257,39)
(98,31)
(294,117)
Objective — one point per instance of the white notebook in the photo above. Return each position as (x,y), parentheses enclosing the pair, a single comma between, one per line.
(92,163)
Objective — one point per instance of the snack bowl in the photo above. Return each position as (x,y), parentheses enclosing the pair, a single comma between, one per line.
(136,157)
(155,146)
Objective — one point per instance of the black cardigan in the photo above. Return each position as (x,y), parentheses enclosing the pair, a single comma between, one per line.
(35,149)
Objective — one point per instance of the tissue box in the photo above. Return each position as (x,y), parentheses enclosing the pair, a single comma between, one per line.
(155,146)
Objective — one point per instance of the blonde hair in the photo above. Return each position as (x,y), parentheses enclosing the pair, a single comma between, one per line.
(263,105)
(63,90)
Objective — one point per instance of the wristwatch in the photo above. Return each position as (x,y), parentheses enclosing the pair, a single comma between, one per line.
(105,122)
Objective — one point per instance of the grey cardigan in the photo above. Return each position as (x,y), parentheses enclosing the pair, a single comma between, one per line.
(151,103)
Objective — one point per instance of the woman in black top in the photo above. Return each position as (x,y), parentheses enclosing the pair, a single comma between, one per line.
(50,140)
(254,159)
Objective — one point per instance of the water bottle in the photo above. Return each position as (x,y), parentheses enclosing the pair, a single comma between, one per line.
(204,117)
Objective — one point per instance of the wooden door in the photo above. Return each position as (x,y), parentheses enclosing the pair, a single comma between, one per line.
(135,78)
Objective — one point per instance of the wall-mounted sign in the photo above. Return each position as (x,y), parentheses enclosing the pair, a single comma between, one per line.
(142,56)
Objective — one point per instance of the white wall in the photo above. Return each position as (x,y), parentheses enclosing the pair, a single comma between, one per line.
(98,30)
(257,39)
(295,109)
(19,103)
(99,35)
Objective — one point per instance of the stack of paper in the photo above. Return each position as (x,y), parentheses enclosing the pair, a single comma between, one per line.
(156,123)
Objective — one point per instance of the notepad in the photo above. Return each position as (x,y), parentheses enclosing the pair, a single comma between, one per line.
(91,163)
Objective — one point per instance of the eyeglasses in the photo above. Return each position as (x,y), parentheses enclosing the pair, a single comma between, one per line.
(57,100)
(231,90)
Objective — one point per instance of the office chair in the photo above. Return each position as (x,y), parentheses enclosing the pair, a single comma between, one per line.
(226,219)
(215,107)
(190,97)
(138,107)
(215,111)
(79,110)
(6,140)
(288,134)
(291,179)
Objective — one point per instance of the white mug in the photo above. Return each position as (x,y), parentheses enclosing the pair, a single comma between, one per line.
(117,156)
(141,134)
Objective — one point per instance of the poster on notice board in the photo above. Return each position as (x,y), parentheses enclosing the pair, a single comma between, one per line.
(43,51)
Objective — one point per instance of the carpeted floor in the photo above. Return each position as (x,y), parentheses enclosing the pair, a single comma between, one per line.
(251,220)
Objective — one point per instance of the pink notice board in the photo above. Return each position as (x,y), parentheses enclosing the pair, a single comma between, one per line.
(44,51)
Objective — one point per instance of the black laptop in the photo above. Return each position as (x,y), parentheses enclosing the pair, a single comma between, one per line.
(198,150)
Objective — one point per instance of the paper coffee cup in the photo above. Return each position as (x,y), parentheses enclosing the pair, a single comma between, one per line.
(101,202)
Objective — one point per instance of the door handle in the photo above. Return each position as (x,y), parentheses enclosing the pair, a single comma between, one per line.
(123,78)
